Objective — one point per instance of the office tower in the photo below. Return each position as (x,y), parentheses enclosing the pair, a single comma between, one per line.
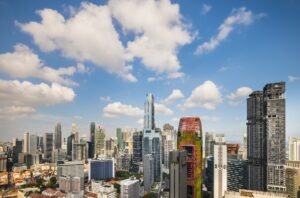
(130,188)
(40,144)
(148,163)
(251,193)
(152,137)
(71,169)
(292,178)
(59,155)
(3,162)
(255,142)
(294,148)
(111,146)
(220,166)
(99,141)
(209,144)
(33,143)
(75,132)
(69,184)
(169,143)
(79,152)
(17,148)
(123,161)
(245,157)
(274,126)
(92,139)
(57,136)
(237,174)
(137,147)
(70,141)
(190,139)
(120,139)
(178,174)
(101,169)
(26,143)
(48,146)
(209,174)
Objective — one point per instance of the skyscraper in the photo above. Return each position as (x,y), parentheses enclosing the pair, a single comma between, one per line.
(99,141)
(130,188)
(75,132)
(70,141)
(26,143)
(137,147)
(152,137)
(148,163)
(266,138)
(220,166)
(255,142)
(92,138)
(120,139)
(209,144)
(178,173)
(190,139)
(57,136)
(48,146)
(292,178)
(274,126)
(33,143)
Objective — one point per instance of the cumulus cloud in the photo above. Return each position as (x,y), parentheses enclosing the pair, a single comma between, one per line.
(140,122)
(210,118)
(162,109)
(117,109)
(175,95)
(28,94)
(206,95)
(237,97)
(24,63)
(159,32)
(88,35)
(12,112)
(293,78)
(205,9)
(241,16)
(240,93)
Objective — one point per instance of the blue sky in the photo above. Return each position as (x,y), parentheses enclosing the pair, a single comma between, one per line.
(96,60)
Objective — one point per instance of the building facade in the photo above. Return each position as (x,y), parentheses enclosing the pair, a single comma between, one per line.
(294,148)
(99,141)
(292,178)
(190,139)
(101,169)
(178,174)
(130,188)
(220,166)
(48,146)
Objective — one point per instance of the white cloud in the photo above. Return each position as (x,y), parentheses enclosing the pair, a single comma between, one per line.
(205,9)
(223,69)
(88,35)
(175,95)
(206,95)
(162,109)
(293,78)
(23,63)
(140,122)
(105,98)
(27,94)
(159,32)
(12,112)
(81,68)
(240,16)
(241,92)
(117,109)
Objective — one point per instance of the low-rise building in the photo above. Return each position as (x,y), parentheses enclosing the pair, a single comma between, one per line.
(253,194)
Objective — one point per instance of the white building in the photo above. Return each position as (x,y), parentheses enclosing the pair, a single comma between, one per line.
(220,166)
(294,149)
(26,143)
(130,188)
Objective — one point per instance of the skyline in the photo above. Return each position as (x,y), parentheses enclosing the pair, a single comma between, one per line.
(224,51)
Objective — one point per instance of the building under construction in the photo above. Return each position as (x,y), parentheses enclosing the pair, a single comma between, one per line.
(190,139)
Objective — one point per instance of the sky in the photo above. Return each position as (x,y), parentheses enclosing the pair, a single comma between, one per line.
(82,61)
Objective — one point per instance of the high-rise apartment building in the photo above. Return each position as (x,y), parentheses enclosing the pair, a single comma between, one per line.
(190,139)
(152,137)
(292,178)
(57,136)
(120,139)
(294,148)
(71,169)
(274,126)
(237,174)
(79,152)
(26,143)
(266,138)
(178,174)
(169,143)
(220,166)
(255,142)
(99,141)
